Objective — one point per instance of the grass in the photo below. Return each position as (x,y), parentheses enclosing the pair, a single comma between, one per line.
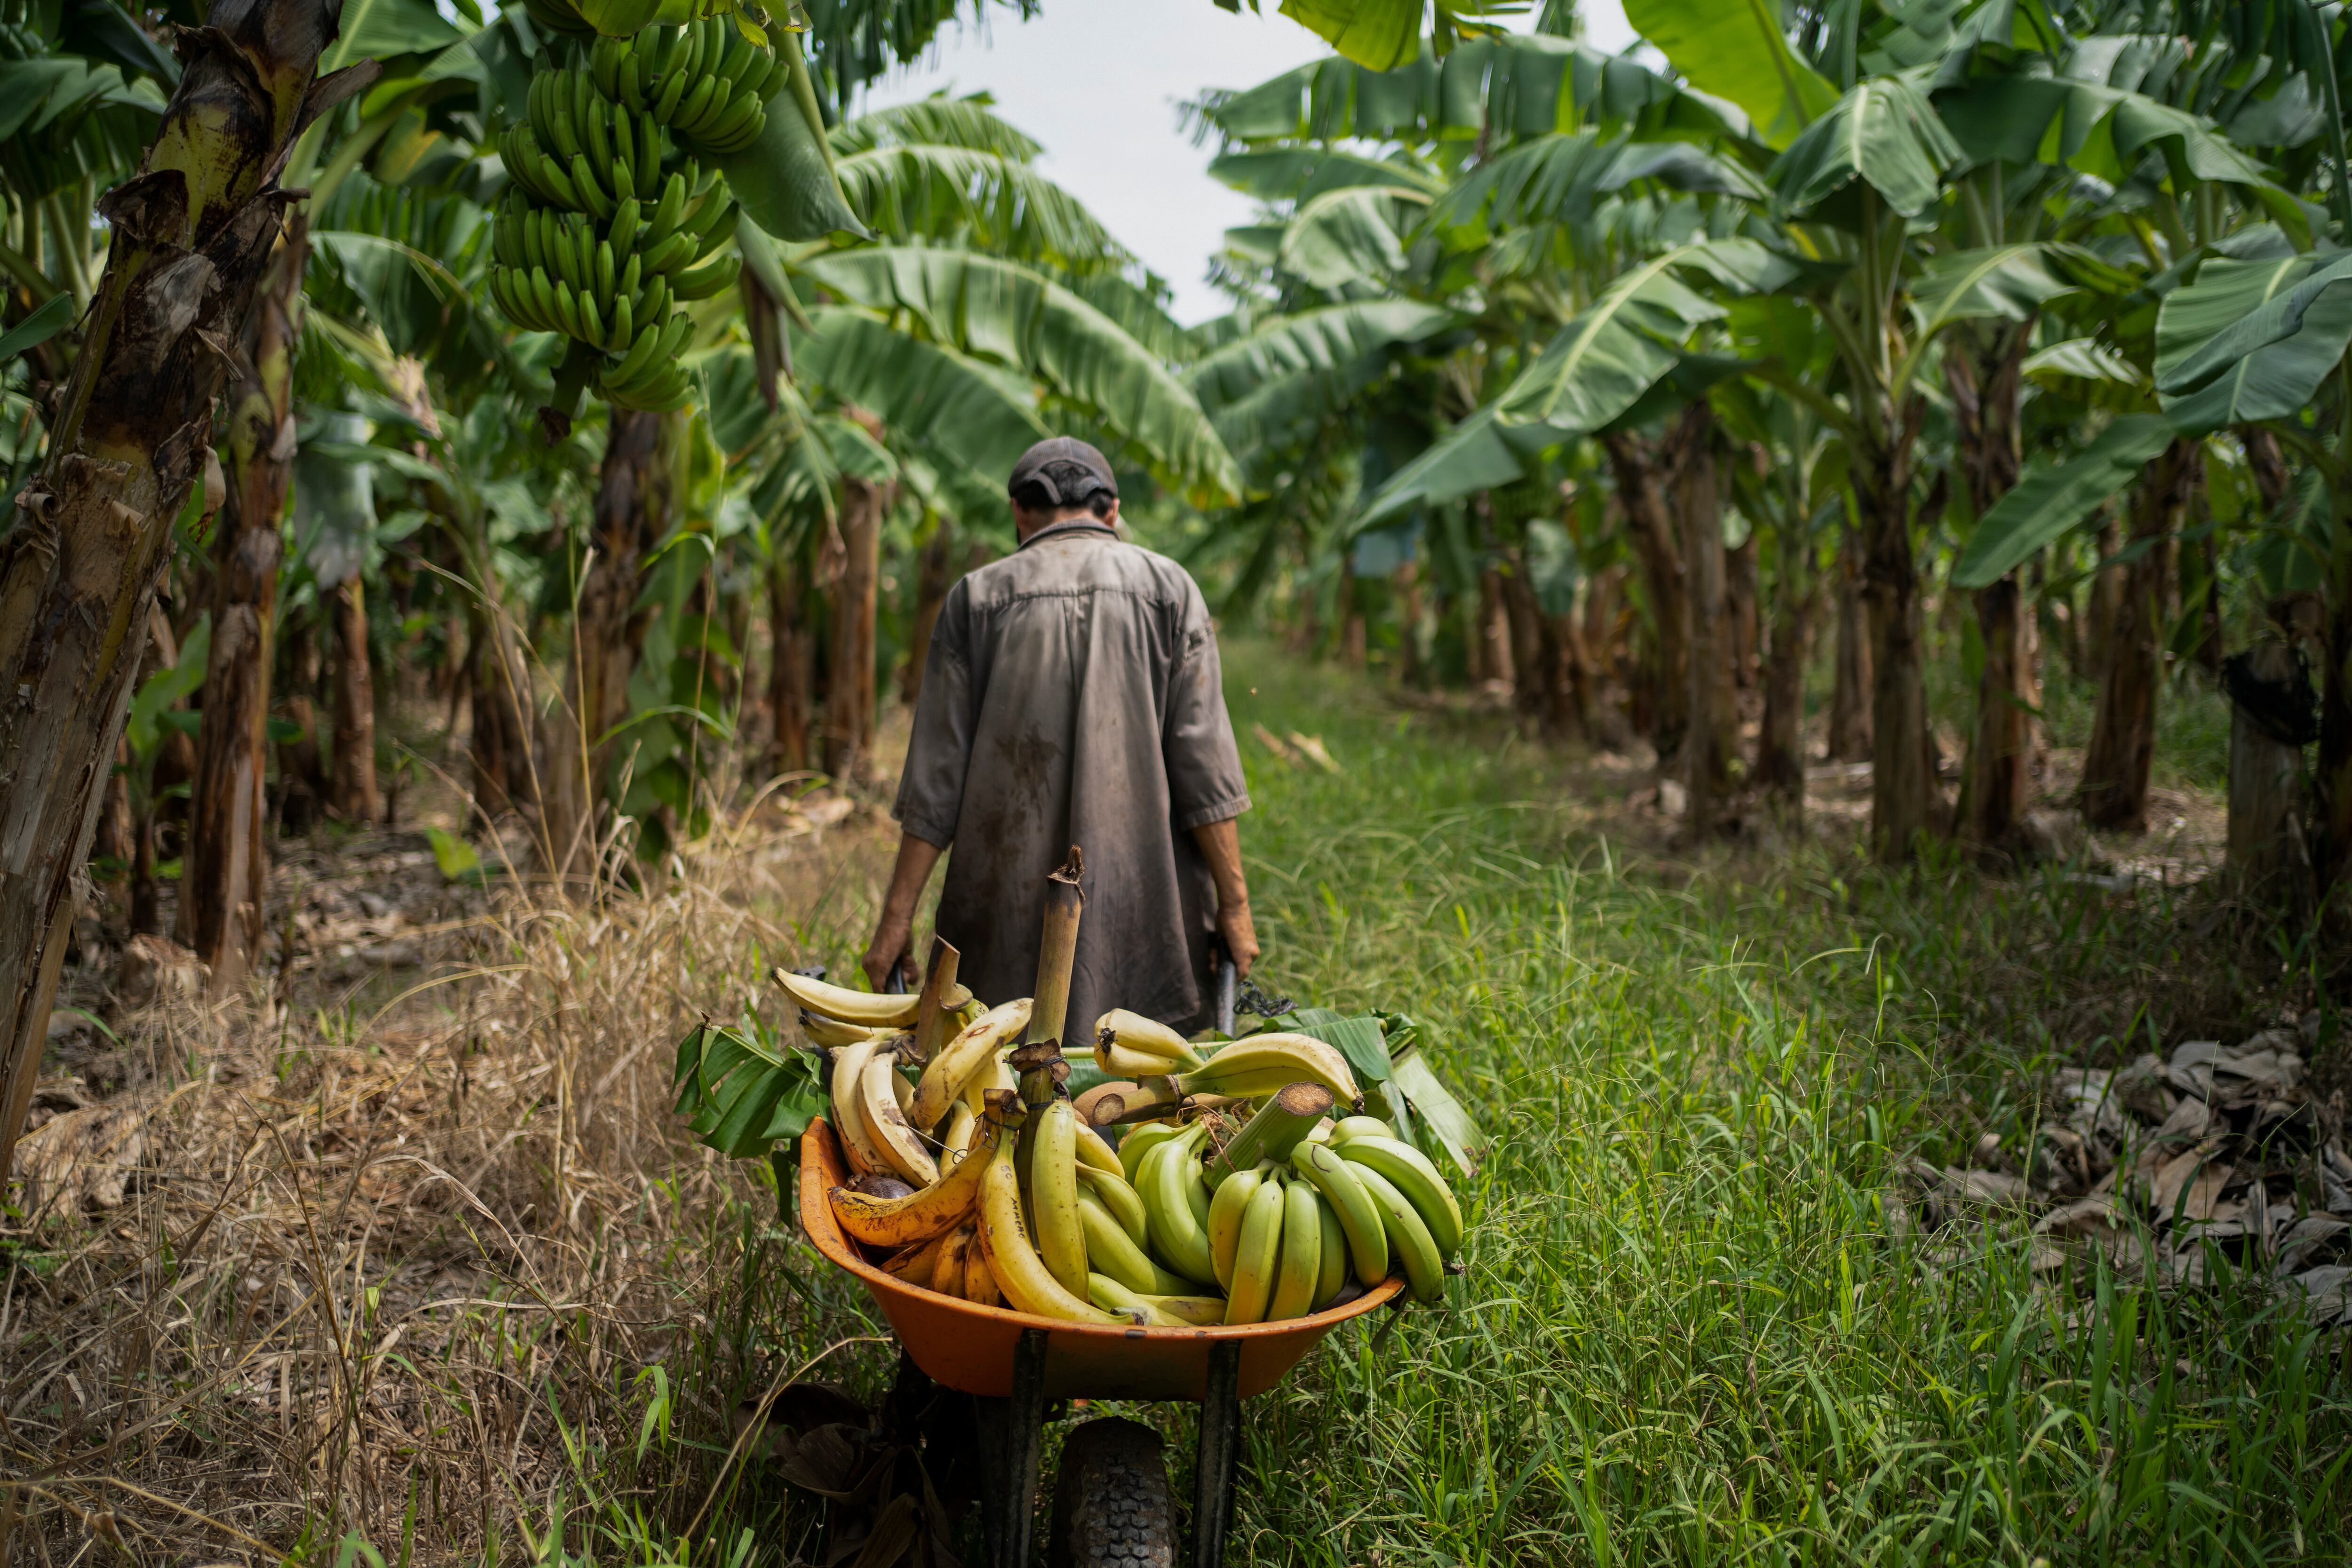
(1693,1330)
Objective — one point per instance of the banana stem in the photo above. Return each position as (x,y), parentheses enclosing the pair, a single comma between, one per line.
(1057,950)
(1274,1131)
(931,1023)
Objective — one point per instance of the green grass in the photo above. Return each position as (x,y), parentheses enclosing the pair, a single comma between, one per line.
(1690,1332)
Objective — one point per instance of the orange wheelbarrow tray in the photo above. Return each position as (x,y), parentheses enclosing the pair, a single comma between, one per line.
(1015,1362)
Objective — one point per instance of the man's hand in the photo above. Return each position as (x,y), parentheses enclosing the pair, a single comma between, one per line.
(893,937)
(1233,924)
(893,934)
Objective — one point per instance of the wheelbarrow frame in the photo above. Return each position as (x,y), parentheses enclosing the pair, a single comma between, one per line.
(1015,1363)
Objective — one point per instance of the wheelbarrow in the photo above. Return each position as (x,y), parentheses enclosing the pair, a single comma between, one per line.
(1014,1363)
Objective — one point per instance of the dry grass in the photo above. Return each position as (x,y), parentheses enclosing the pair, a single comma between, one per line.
(402,1249)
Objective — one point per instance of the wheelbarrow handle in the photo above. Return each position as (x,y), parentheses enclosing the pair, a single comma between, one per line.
(1226,979)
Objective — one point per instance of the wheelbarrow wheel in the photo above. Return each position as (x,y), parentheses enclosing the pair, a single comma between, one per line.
(1111,1506)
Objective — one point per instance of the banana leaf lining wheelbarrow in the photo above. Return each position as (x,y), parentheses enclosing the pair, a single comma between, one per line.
(1015,1363)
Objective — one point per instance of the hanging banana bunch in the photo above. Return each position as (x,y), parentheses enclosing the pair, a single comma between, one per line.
(617,213)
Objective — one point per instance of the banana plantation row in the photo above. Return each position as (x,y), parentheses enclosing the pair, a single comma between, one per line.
(633,417)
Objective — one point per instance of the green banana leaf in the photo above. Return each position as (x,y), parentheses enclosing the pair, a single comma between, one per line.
(999,310)
(1380,34)
(1344,236)
(2050,502)
(741,1098)
(1321,341)
(990,202)
(1736,50)
(2267,332)
(1565,177)
(785,177)
(54,317)
(1302,174)
(1883,133)
(973,414)
(966,122)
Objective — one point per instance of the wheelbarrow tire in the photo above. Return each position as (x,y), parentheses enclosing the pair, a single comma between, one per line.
(1111,1505)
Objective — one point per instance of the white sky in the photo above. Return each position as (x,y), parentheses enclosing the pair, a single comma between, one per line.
(1097,82)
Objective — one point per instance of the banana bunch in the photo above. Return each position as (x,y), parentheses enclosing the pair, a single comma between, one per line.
(1258,1065)
(708,83)
(611,223)
(1390,1201)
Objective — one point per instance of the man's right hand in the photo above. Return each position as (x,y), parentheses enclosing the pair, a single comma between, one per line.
(1234,925)
(888,951)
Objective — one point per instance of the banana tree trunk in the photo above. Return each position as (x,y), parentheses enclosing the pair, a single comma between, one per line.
(850,724)
(1997,780)
(1781,739)
(1711,742)
(2123,733)
(2268,860)
(1412,668)
(630,517)
(194,231)
(1524,622)
(1742,589)
(356,797)
(1492,649)
(229,846)
(790,655)
(931,592)
(1656,547)
(1849,738)
(1905,802)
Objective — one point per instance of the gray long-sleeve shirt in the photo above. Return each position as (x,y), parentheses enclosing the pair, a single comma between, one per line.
(1073,695)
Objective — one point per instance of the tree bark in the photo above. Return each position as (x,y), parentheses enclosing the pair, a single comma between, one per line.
(227,861)
(2123,733)
(302,766)
(849,721)
(930,592)
(1524,622)
(1651,533)
(1904,800)
(1491,651)
(1742,590)
(2269,843)
(1849,738)
(2107,594)
(496,686)
(1998,778)
(1412,668)
(1354,651)
(631,515)
(355,793)
(1711,743)
(1781,739)
(790,654)
(193,233)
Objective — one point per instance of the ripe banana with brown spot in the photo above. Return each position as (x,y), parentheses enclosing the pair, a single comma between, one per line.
(879,1099)
(919,1217)
(953,1068)
(1020,1273)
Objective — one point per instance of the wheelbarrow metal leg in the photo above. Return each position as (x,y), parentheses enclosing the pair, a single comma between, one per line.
(1011,1436)
(1221,1441)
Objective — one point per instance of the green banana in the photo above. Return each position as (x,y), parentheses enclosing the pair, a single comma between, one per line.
(1409,1169)
(1110,1251)
(1061,1239)
(1360,1217)
(708,280)
(1140,1140)
(1178,1236)
(1259,1254)
(1225,1214)
(1301,1267)
(1425,1270)
(1331,1274)
(1125,1203)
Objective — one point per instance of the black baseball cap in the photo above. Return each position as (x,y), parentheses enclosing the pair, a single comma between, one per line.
(1031,470)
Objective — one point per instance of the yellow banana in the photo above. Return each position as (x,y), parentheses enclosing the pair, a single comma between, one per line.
(1095,1150)
(1060,1234)
(977,1088)
(1113,1297)
(864,1155)
(1258,1256)
(1360,1217)
(1109,1250)
(1226,1213)
(948,1267)
(1020,1273)
(955,1134)
(1273,1061)
(1410,1172)
(850,1006)
(1409,1239)
(955,1063)
(1201,1311)
(919,1217)
(1331,1274)
(1125,1203)
(877,1098)
(914,1263)
(1118,1061)
(1301,1269)
(1138,1036)
(978,1284)
(824,1031)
